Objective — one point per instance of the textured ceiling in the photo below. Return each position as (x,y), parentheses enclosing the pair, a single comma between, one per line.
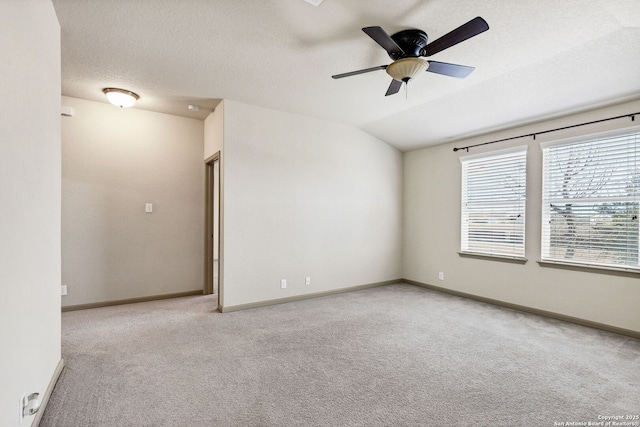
(539,59)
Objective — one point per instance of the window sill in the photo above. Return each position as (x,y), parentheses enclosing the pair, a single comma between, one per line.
(590,267)
(504,258)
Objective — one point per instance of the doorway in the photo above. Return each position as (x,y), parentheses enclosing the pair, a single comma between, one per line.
(213,277)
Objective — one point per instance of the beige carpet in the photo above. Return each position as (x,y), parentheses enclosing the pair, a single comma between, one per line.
(396,355)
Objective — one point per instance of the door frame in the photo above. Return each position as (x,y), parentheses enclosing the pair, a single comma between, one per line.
(210,185)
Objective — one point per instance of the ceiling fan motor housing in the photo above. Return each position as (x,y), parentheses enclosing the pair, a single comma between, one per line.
(412,42)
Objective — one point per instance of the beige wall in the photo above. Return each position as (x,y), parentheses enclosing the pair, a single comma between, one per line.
(29,202)
(304,197)
(432,234)
(113,162)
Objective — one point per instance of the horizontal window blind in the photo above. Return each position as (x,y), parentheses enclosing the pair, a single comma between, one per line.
(493,203)
(591,196)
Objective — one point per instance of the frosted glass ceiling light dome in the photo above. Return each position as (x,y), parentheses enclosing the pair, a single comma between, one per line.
(120,97)
(405,69)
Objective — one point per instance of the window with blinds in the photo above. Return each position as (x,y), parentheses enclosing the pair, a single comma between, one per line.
(591,194)
(493,203)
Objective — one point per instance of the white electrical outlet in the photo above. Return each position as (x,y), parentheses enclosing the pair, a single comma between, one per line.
(441,275)
(307,280)
(63,290)
(283,283)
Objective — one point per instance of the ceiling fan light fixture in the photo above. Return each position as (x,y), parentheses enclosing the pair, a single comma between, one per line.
(120,97)
(406,69)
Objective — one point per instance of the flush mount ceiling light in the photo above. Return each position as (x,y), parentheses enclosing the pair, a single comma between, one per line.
(120,97)
(405,69)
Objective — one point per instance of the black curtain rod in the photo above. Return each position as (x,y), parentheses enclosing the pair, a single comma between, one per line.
(632,115)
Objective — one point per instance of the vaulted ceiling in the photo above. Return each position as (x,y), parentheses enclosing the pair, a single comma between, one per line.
(540,59)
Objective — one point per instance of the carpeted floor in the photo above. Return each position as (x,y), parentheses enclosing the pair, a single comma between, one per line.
(396,355)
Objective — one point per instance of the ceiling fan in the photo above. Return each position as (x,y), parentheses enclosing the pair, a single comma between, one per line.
(407,47)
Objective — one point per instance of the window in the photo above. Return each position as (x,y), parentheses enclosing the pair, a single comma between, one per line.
(591,193)
(493,203)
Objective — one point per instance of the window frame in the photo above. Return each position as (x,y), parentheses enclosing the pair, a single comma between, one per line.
(546,256)
(494,248)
